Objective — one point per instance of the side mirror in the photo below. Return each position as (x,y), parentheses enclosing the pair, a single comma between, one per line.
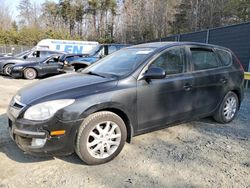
(25,57)
(154,73)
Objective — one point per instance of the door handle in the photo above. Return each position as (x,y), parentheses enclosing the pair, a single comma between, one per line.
(188,87)
(223,80)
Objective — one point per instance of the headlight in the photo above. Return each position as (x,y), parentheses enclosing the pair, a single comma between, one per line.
(46,110)
(18,68)
(66,62)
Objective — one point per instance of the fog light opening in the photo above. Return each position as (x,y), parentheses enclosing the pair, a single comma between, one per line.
(38,142)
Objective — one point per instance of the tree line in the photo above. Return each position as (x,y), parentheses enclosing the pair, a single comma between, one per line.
(123,21)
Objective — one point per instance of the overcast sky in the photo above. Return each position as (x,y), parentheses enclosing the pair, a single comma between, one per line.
(12,4)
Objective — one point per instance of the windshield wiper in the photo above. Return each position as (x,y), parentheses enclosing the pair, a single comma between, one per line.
(95,74)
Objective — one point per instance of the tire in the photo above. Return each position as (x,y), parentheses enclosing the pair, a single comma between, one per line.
(29,73)
(228,109)
(80,70)
(6,69)
(89,138)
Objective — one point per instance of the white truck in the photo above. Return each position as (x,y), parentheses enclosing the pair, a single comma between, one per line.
(70,46)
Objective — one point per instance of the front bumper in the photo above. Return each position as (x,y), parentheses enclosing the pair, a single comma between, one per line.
(16,73)
(25,133)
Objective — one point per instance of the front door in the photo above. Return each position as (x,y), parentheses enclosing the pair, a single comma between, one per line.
(165,100)
(51,66)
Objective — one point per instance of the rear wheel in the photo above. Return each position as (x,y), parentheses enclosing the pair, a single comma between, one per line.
(7,69)
(30,73)
(101,137)
(228,109)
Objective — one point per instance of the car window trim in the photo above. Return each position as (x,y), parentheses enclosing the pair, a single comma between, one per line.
(190,64)
(220,58)
(145,68)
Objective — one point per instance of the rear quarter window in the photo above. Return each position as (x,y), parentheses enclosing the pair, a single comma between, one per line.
(225,56)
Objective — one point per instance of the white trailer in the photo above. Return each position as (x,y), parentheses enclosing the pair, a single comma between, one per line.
(70,46)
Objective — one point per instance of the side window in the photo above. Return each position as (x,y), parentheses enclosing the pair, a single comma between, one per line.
(43,54)
(112,49)
(53,60)
(225,56)
(203,59)
(72,58)
(34,54)
(100,52)
(172,61)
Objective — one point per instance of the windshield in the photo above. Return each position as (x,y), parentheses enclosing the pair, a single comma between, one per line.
(20,55)
(121,62)
(95,50)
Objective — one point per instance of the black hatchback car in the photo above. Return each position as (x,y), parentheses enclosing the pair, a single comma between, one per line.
(132,91)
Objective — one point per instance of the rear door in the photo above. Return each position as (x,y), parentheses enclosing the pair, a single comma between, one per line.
(210,79)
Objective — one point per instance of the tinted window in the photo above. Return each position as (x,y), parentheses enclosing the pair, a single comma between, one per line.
(225,56)
(44,54)
(203,59)
(171,61)
(72,58)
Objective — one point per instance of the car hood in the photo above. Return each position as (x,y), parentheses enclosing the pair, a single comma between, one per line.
(69,86)
(4,59)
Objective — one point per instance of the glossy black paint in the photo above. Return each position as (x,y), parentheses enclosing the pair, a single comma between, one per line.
(43,67)
(144,104)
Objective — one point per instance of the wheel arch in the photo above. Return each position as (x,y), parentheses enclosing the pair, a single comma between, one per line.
(6,64)
(239,94)
(116,110)
(125,119)
(37,72)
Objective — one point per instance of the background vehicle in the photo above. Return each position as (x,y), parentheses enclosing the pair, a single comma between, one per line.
(33,54)
(94,55)
(66,62)
(36,68)
(70,46)
(133,91)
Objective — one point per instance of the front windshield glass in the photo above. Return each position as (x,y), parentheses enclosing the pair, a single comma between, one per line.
(20,55)
(95,50)
(121,62)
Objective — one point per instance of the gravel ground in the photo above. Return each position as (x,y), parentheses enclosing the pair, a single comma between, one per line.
(195,154)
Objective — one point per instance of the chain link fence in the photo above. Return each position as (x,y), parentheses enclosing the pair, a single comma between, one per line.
(13,49)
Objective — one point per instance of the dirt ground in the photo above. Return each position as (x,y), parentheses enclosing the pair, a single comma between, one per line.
(196,154)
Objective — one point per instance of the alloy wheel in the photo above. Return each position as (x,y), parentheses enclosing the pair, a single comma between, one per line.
(104,139)
(230,108)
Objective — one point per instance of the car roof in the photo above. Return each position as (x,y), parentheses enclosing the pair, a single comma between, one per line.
(159,45)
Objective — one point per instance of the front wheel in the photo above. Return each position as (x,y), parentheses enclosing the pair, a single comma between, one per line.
(101,137)
(30,74)
(228,109)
